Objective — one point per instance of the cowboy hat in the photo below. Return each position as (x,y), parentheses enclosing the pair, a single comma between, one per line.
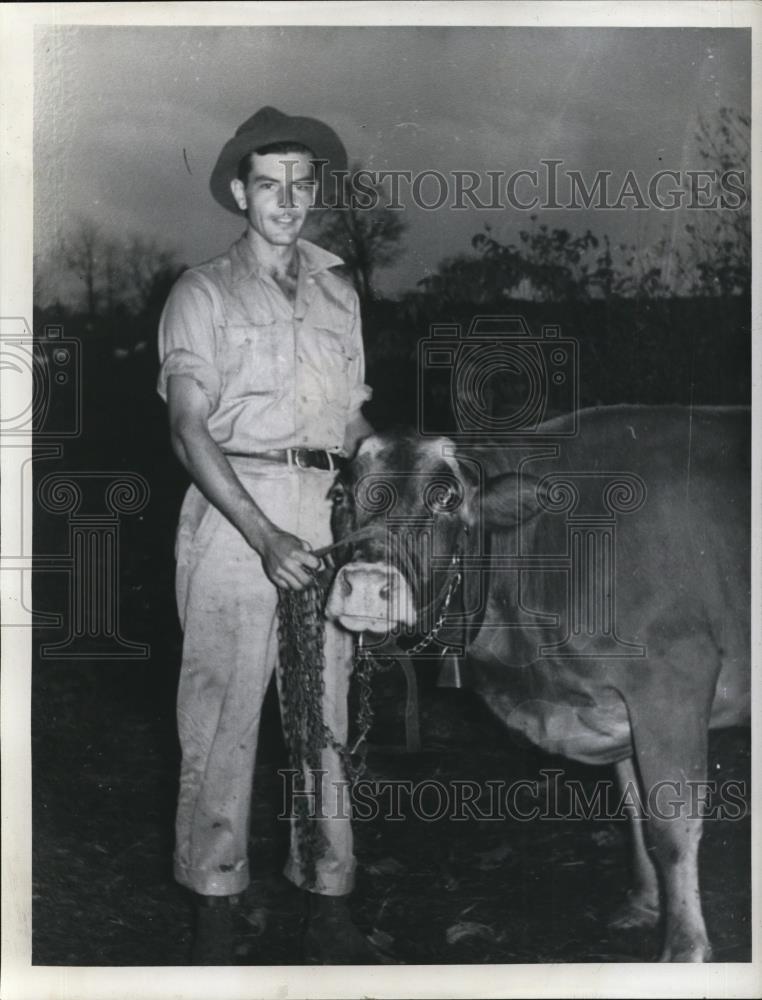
(266,126)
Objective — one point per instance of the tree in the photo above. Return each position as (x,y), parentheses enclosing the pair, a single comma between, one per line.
(120,278)
(718,256)
(83,255)
(639,272)
(547,265)
(44,290)
(367,239)
(112,275)
(467,278)
(147,268)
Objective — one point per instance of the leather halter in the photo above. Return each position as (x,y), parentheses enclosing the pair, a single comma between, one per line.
(392,650)
(440,603)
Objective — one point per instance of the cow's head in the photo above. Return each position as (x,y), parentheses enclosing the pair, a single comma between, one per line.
(404,504)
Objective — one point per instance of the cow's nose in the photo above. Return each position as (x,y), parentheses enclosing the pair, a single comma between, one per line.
(370,597)
(377,582)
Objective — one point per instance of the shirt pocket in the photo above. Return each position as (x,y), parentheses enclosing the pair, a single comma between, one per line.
(256,359)
(336,358)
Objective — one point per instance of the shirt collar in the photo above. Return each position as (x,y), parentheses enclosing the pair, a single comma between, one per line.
(315,258)
(312,258)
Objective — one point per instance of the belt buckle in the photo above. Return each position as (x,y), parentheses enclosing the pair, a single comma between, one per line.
(322,460)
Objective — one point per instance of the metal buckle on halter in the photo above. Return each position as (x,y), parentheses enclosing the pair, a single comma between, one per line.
(310,458)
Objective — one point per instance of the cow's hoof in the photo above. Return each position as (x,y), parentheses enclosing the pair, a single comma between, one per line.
(698,951)
(332,938)
(637,912)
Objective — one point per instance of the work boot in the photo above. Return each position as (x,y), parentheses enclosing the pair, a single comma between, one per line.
(331,937)
(213,937)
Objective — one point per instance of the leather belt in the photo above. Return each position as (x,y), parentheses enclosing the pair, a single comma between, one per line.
(302,458)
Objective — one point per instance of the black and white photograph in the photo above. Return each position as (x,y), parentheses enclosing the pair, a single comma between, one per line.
(380,562)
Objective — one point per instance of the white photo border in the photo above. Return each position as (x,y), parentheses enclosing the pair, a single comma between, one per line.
(21,980)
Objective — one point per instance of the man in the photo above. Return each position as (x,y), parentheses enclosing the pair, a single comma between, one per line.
(263,373)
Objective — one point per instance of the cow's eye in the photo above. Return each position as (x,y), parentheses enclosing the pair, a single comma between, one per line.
(338,494)
(443,498)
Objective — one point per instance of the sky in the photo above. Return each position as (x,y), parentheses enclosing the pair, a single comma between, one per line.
(119,111)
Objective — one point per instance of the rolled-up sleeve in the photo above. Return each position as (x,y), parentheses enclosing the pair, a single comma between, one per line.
(186,338)
(359,392)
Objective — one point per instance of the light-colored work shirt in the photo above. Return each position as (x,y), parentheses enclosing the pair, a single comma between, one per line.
(277,374)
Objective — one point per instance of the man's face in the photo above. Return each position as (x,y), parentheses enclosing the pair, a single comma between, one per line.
(277,196)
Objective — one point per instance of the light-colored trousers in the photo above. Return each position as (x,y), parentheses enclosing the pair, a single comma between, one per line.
(228,610)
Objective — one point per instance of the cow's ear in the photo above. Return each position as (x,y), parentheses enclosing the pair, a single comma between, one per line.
(507,500)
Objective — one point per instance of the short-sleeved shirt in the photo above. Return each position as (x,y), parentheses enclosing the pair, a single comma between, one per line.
(277,374)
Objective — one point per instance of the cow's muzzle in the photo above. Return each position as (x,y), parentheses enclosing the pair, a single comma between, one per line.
(370,597)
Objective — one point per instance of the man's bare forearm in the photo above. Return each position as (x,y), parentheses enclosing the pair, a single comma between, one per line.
(213,475)
(286,559)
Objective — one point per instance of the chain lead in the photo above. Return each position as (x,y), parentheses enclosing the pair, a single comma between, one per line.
(301,669)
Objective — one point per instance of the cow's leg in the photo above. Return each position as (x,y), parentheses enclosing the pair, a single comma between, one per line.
(669,720)
(641,908)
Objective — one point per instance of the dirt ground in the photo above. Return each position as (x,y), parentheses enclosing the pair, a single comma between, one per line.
(478,890)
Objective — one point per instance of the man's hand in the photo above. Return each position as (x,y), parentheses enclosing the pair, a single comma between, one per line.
(287,560)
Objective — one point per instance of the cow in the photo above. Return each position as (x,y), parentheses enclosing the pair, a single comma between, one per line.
(624,647)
